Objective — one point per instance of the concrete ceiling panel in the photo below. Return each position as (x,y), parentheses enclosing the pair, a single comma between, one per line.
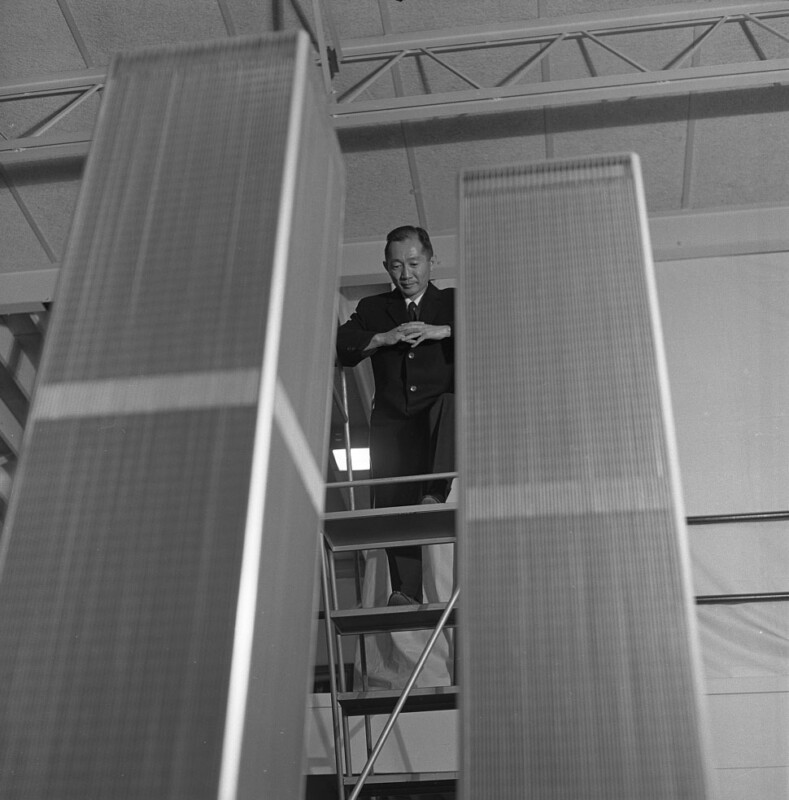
(357,18)
(742,141)
(443,148)
(35,41)
(427,15)
(80,118)
(110,26)
(559,8)
(253,17)
(655,129)
(21,249)
(652,51)
(379,193)
(21,118)
(730,44)
(351,74)
(250,17)
(567,62)
(488,68)
(49,191)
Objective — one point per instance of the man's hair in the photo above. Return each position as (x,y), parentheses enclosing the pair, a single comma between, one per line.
(405,232)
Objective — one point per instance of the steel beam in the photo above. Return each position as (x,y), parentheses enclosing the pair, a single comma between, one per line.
(61,83)
(562,93)
(546,34)
(475,102)
(383,51)
(41,148)
(655,18)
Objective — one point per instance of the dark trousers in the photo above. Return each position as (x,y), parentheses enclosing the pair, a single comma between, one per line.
(412,446)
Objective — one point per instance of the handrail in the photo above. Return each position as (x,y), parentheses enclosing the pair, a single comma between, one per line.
(339,739)
(752,597)
(753,516)
(396,479)
(346,428)
(338,404)
(704,519)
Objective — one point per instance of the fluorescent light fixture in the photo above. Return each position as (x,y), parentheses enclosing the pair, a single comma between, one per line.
(360,459)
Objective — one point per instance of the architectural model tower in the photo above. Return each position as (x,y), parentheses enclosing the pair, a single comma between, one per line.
(159,558)
(578,656)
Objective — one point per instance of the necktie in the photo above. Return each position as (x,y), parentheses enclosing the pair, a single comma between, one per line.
(413,311)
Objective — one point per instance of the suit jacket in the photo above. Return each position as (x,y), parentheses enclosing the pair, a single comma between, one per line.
(407,380)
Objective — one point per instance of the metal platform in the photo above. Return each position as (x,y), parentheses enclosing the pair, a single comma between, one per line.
(390,527)
(406,784)
(434,698)
(391,618)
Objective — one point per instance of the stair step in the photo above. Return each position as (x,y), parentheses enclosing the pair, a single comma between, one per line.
(434,698)
(390,618)
(390,527)
(410,783)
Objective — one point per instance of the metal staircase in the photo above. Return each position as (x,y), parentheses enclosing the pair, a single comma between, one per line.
(351,532)
(354,531)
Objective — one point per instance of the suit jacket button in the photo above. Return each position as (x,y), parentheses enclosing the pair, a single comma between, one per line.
(411,355)
(412,388)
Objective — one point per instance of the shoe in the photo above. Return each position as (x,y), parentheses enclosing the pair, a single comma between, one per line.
(429,499)
(401,599)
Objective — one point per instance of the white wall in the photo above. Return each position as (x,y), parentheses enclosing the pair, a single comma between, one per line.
(726,331)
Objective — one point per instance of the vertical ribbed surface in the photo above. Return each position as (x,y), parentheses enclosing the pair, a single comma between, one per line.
(182,206)
(578,652)
(129,525)
(119,598)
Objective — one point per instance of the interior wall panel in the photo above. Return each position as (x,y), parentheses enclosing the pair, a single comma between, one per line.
(109,28)
(726,332)
(168,492)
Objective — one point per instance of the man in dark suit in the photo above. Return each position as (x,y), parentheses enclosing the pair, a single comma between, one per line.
(408,334)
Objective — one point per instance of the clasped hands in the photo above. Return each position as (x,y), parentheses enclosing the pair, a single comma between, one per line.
(413,333)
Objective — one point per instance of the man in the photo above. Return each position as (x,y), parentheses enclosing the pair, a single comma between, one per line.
(408,334)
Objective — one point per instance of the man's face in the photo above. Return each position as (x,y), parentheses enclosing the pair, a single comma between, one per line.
(408,266)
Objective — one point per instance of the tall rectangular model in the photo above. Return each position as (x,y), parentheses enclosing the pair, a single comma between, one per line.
(579,664)
(158,567)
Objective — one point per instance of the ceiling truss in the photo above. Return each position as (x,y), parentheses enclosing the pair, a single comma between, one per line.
(391,57)
(590,35)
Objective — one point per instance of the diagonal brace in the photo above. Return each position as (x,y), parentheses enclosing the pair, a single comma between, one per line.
(404,696)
